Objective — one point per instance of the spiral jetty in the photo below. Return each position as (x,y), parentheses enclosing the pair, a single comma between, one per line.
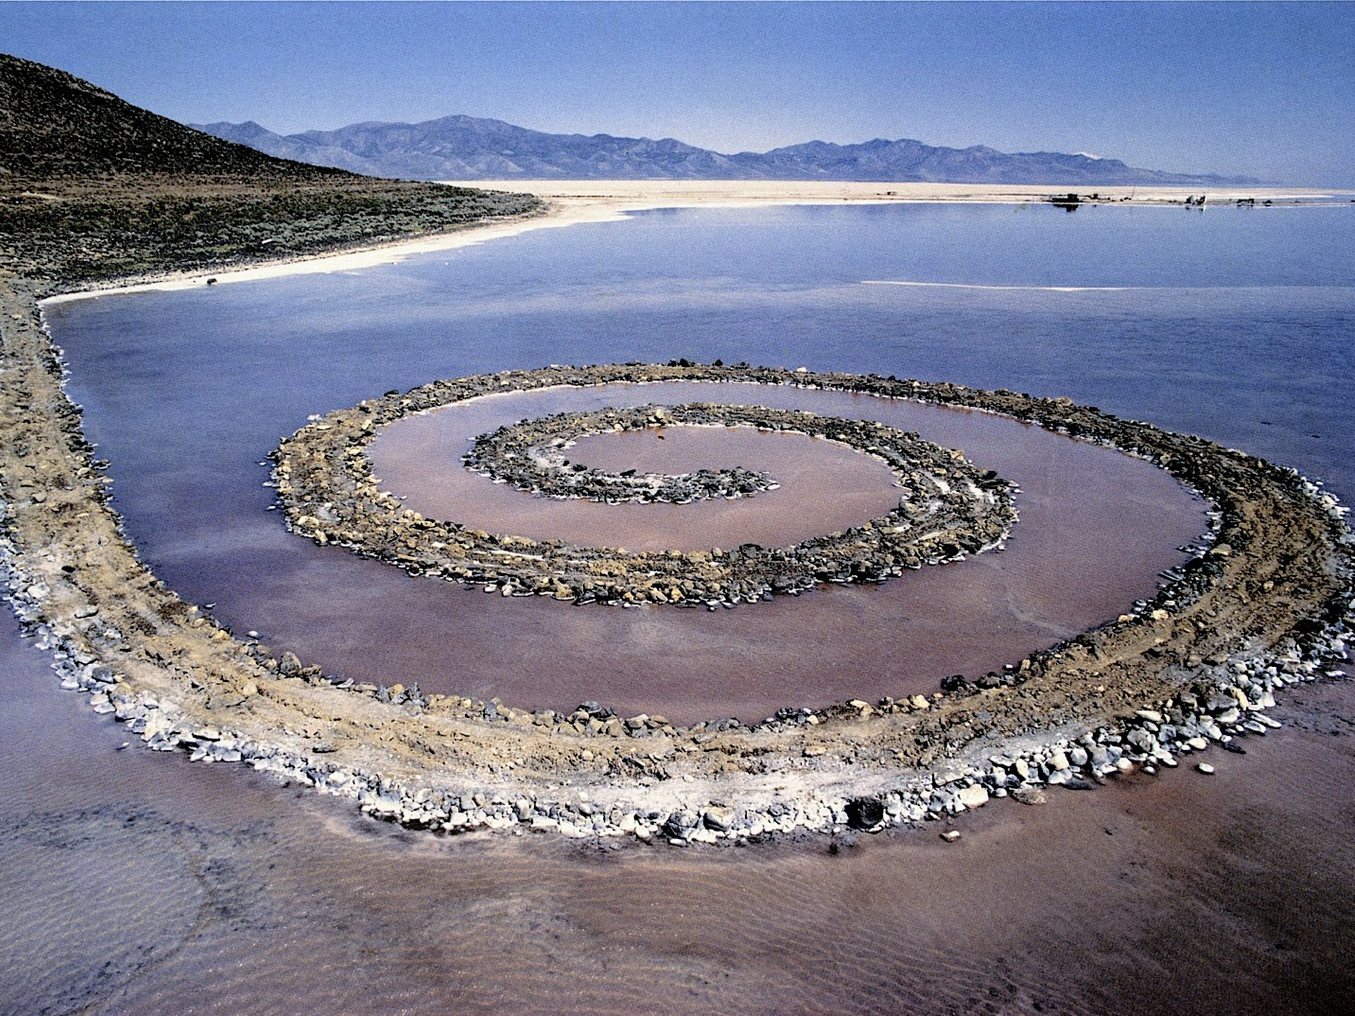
(1264,604)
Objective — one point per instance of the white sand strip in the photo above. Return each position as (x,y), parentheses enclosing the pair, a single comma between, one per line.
(1028,289)
(575,201)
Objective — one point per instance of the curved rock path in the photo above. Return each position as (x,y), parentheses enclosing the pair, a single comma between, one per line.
(1263,607)
(529,455)
(947,508)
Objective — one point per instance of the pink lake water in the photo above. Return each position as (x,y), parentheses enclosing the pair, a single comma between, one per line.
(823,486)
(1097,527)
(137,882)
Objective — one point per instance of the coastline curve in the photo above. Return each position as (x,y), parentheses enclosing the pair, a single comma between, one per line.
(1269,603)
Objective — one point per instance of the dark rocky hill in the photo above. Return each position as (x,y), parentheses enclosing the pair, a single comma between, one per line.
(56,127)
(470,148)
(92,186)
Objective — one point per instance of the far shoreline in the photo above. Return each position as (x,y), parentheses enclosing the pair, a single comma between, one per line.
(571,202)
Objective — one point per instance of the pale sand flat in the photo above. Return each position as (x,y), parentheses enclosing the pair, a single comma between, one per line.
(578,201)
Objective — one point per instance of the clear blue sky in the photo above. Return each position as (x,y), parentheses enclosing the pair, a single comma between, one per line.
(1257,88)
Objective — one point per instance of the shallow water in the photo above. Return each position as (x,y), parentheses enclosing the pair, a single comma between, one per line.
(1096,529)
(136,882)
(821,486)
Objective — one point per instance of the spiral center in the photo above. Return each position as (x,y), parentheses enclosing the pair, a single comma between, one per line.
(530,455)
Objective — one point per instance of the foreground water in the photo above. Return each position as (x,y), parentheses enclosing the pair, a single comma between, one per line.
(146,883)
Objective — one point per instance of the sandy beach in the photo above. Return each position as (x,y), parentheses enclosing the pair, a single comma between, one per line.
(632,195)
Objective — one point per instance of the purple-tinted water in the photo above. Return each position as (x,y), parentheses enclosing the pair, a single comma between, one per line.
(822,486)
(1096,529)
(135,882)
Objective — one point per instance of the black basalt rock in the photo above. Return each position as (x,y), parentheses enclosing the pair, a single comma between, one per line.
(865,812)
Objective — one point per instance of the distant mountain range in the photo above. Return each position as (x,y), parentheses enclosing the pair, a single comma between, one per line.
(471,148)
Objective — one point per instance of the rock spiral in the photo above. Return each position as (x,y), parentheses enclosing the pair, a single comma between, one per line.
(948,508)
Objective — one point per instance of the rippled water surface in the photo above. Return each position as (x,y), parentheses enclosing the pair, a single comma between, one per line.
(137,882)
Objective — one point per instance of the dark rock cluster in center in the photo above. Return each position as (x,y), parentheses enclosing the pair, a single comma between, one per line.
(947,510)
(530,456)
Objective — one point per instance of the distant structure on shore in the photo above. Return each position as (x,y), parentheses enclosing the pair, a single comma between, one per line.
(471,148)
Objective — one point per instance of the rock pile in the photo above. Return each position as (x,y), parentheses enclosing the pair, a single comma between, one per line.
(530,456)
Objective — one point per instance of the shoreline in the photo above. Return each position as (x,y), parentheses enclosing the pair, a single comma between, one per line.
(346,259)
(184,683)
(1172,681)
(634,195)
(574,202)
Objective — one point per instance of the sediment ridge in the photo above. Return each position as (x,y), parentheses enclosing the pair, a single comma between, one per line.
(1266,603)
(948,508)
